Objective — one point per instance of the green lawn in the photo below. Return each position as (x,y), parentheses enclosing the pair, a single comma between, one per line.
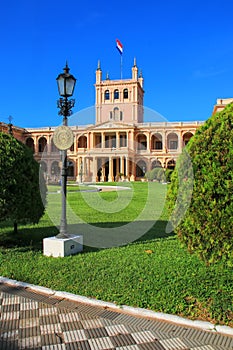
(153,272)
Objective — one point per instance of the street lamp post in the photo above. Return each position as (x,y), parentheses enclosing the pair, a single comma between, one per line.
(66,83)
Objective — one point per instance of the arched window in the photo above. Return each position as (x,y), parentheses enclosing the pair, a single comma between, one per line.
(30,143)
(172,141)
(141,168)
(171,164)
(156,164)
(156,142)
(42,144)
(125,93)
(82,142)
(186,137)
(106,95)
(116,114)
(116,94)
(141,142)
(70,168)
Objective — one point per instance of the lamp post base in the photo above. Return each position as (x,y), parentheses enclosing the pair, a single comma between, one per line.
(61,247)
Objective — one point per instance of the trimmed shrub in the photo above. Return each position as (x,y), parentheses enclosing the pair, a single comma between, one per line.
(168,174)
(201,191)
(23,190)
(152,174)
(161,175)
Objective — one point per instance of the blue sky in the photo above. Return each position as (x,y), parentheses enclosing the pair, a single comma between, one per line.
(184,48)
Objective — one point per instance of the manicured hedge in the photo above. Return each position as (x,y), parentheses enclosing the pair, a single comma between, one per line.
(201,191)
(22,189)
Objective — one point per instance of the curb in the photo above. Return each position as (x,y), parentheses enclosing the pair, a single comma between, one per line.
(159,316)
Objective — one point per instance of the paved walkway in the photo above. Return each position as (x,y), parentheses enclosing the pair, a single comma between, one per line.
(30,319)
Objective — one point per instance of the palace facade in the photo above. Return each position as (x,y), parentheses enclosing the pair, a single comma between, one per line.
(119,145)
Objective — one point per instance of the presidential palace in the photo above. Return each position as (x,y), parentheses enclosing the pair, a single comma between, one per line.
(120,145)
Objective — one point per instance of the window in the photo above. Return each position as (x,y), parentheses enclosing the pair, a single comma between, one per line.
(123,141)
(113,142)
(142,142)
(42,144)
(106,95)
(125,93)
(173,144)
(116,113)
(30,143)
(106,141)
(70,168)
(116,94)
(158,145)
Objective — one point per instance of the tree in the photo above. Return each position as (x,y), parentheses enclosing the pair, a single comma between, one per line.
(23,190)
(168,174)
(201,191)
(161,175)
(152,174)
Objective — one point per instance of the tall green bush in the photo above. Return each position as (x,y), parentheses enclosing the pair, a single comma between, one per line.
(161,175)
(201,192)
(168,174)
(152,174)
(22,190)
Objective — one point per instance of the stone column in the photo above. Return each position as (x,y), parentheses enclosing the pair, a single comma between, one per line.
(36,145)
(127,167)
(133,169)
(117,139)
(122,165)
(102,139)
(77,170)
(94,169)
(110,175)
(127,139)
(148,141)
(164,141)
(91,142)
(49,144)
(117,168)
(103,175)
(80,170)
(87,168)
(180,142)
(88,140)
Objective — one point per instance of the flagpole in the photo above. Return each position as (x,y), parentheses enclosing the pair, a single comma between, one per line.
(121,65)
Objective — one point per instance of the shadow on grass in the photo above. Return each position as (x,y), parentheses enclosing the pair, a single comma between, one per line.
(31,238)
(27,238)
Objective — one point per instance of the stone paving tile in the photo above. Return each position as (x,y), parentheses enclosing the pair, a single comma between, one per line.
(27,323)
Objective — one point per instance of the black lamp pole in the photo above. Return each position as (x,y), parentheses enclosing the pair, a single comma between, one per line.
(66,83)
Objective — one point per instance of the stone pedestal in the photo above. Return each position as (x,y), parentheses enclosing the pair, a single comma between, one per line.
(60,247)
